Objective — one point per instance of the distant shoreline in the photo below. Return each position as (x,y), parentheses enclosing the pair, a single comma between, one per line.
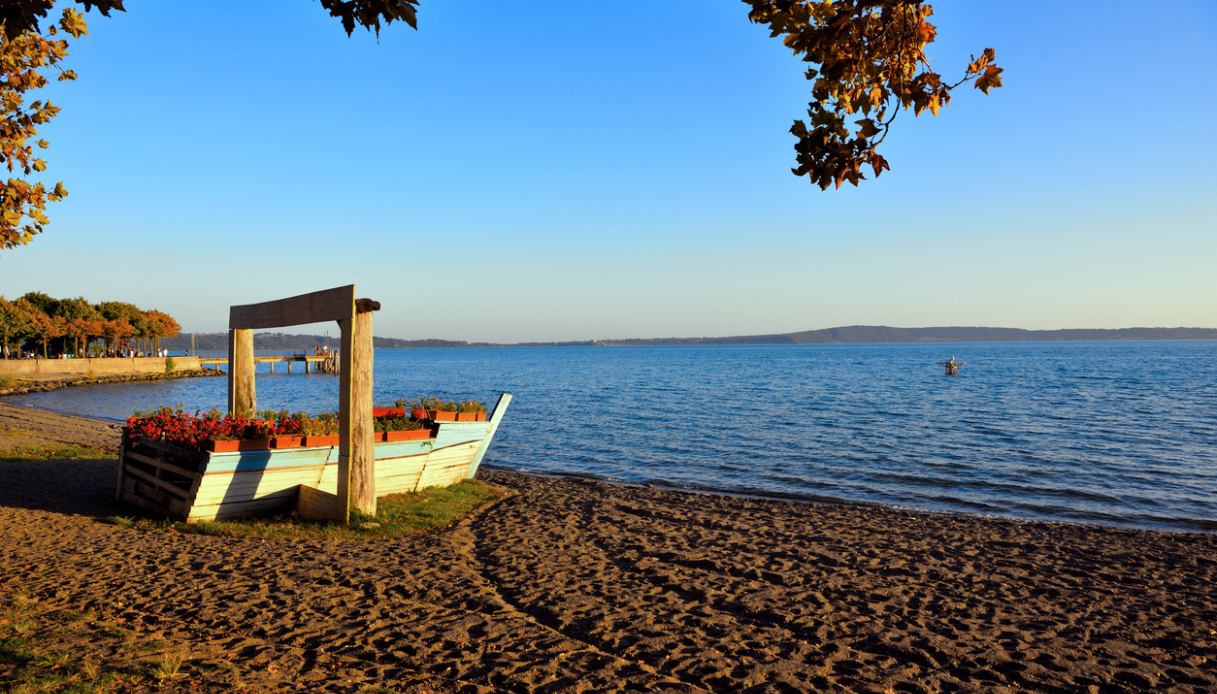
(859,334)
(37,383)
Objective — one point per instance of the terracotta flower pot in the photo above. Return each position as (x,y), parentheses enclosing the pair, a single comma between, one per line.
(285,442)
(222,445)
(311,440)
(443,415)
(388,412)
(470,416)
(253,445)
(419,413)
(408,435)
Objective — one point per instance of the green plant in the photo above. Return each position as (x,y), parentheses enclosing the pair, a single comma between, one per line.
(397,424)
(7,381)
(324,424)
(169,365)
(431,402)
(471,406)
(170,665)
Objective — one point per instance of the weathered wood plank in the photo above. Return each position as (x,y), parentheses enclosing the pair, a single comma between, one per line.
(500,409)
(334,304)
(363,449)
(176,491)
(346,431)
(118,486)
(315,504)
(242,393)
(164,465)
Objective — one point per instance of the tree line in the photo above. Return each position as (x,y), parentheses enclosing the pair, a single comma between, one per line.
(37,323)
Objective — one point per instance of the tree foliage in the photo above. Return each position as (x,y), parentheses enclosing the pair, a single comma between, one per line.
(868,60)
(77,323)
(867,63)
(24,59)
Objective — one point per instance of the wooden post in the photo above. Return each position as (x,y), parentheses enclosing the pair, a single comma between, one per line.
(242,396)
(356,384)
(346,329)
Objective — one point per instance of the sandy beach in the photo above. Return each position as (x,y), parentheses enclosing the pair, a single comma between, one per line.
(576,585)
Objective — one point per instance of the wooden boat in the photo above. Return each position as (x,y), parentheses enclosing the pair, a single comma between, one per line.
(194,485)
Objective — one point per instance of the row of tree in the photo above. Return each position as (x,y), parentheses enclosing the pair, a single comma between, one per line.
(79,328)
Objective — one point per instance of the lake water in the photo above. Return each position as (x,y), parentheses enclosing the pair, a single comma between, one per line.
(1111,432)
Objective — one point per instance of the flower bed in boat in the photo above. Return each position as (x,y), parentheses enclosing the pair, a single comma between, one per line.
(270,429)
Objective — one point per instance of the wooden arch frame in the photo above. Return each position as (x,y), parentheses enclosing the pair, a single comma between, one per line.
(356,455)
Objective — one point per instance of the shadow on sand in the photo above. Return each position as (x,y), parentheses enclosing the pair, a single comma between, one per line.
(70,487)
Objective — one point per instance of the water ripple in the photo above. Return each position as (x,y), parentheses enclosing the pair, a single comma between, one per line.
(1119,433)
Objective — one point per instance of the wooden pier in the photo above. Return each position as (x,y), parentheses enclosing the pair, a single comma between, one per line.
(322,363)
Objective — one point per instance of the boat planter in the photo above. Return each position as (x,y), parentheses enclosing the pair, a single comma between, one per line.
(443,415)
(286,442)
(195,485)
(253,445)
(470,416)
(408,435)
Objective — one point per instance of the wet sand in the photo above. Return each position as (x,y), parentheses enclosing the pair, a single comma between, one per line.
(574,585)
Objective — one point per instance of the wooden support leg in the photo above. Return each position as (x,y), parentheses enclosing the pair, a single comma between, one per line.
(242,397)
(357,454)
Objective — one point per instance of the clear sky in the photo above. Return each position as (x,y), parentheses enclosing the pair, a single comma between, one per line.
(566,169)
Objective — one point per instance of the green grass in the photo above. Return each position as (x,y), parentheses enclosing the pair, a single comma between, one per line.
(69,452)
(398,515)
(7,381)
(42,651)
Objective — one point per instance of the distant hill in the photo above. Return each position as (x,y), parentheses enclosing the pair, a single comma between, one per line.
(883,333)
(846,334)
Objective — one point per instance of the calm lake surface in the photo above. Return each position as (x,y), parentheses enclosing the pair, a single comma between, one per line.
(1111,432)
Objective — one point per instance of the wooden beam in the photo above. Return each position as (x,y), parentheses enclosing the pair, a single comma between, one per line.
(363,448)
(315,307)
(346,341)
(242,393)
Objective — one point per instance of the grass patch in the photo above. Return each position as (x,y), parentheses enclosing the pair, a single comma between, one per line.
(7,381)
(69,650)
(398,515)
(68,452)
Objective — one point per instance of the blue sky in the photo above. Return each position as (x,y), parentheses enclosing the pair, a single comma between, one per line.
(567,170)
